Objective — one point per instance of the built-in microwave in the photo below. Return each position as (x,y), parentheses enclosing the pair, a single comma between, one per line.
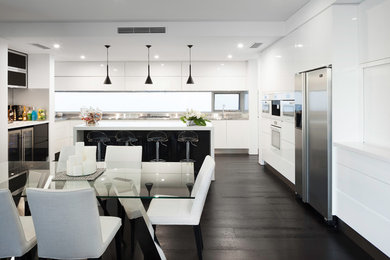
(275,108)
(265,108)
(288,108)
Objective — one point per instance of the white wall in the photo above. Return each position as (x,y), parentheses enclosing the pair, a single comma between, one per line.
(252,84)
(374,43)
(3,100)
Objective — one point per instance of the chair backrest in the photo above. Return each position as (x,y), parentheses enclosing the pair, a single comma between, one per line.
(123,156)
(201,187)
(65,152)
(67,223)
(12,238)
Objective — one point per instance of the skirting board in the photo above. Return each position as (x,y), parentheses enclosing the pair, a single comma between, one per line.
(361,241)
(231,151)
(343,227)
(280,176)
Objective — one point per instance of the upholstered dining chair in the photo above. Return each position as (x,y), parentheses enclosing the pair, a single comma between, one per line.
(17,236)
(68,225)
(185,211)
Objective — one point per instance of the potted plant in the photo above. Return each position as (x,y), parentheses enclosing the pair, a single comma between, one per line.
(193,117)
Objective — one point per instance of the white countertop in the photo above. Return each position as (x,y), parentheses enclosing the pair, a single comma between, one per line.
(373,151)
(19,124)
(143,125)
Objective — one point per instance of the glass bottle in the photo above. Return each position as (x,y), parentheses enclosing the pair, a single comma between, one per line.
(24,115)
(34,115)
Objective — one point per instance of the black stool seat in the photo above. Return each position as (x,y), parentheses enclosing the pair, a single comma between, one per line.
(126,137)
(188,137)
(99,138)
(157,137)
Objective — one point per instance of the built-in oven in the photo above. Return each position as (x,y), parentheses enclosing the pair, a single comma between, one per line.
(275,108)
(265,108)
(275,136)
(288,108)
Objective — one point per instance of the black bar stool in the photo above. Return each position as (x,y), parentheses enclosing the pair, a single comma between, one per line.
(188,137)
(99,138)
(159,138)
(126,137)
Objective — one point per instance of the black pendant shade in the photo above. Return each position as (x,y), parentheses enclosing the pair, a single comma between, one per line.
(148,79)
(190,80)
(107,81)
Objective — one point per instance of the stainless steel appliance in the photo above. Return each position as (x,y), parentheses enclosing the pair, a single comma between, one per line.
(313,139)
(275,136)
(265,108)
(287,110)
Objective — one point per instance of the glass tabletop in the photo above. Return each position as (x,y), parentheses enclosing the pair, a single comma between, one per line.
(118,180)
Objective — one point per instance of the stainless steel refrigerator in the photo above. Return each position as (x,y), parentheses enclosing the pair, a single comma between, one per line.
(313,139)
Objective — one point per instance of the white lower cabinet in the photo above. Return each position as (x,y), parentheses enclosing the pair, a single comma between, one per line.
(219,134)
(283,159)
(63,134)
(231,134)
(237,134)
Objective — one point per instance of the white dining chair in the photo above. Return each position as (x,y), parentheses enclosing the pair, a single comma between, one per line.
(135,210)
(68,225)
(123,157)
(65,152)
(185,211)
(17,234)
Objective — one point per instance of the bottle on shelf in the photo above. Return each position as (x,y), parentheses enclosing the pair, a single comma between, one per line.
(29,115)
(41,114)
(24,115)
(10,114)
(34,115)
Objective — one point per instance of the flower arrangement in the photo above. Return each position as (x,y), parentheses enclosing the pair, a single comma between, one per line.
(193,117)
(91,115)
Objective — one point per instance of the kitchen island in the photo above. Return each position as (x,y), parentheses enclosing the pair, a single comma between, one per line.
(173,152)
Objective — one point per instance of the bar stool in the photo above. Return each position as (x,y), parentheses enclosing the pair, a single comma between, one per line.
(126,137)
(159,138)
(188,137)
(99,138)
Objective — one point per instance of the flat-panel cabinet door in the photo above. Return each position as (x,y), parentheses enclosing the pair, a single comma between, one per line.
(28,144)
(14,145)
(237,134)
(219,133)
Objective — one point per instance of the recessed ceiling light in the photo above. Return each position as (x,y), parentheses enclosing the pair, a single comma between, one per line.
(278,56)
(156,56)
(230,56)
(101,65)
(115,69)
(240,45)
(162,64)
(56,46)
(222,64)
(298,45)
(354,18)
(82,57)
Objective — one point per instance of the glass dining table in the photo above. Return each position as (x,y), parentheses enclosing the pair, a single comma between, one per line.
(152,180)
(122,182)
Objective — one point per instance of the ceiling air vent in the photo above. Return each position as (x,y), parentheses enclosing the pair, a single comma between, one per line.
(40,46)
(126,30)
(256,45)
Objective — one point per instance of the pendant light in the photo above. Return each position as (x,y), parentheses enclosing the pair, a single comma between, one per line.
(148,79)
(107,81)
(190,80)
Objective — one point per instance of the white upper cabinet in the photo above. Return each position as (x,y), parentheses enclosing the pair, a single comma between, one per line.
(215,69)
(159,83)
(159,69)
(88,84)
(38,71)
(88,69)
(166,76)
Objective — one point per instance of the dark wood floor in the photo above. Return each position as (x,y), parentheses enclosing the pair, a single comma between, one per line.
(251,214)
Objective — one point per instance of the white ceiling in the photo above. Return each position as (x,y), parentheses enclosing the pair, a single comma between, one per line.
(148,10)
(83,27)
